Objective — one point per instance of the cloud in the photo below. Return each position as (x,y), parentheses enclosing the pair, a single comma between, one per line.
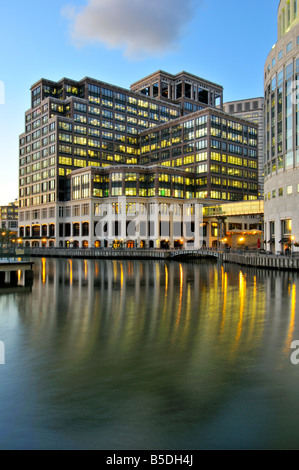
(140,27)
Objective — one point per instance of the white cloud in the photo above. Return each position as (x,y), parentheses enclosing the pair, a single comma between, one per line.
(137,26)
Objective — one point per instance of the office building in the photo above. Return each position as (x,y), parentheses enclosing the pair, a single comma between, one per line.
(89,143)
(281,157)
(9,216)
(252,110)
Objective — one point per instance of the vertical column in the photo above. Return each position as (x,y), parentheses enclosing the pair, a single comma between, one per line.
(278,235)
(209,241)
(160,88)
(7,277)
(154,218)
(266,234)
(122,218)
(183,89)
(151,90)
(192,90)
(198,235)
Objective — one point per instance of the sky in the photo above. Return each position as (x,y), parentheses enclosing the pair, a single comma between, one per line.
(120,42)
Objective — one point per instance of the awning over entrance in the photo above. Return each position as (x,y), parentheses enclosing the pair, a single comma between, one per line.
(272,240)
(285,240)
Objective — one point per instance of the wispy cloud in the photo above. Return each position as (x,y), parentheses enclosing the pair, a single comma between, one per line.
(139,27)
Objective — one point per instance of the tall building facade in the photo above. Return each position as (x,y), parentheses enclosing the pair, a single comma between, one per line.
(89,143)
(281,123)
(252,110)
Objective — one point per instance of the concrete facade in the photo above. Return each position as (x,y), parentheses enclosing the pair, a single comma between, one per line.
(281,157)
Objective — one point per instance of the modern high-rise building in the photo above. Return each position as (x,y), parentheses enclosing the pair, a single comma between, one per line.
(165,142)
(281,157)
(252,110)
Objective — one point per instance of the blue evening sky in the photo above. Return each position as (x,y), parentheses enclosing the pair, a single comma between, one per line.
(222,41)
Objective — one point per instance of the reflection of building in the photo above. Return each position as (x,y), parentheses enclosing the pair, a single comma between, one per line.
(9,216)
(281,158)
(252,110)
(88,142)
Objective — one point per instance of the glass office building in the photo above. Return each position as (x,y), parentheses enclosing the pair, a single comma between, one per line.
(281,127)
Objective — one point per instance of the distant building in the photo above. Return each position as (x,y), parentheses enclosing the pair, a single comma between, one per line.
(252,110)
(9,216)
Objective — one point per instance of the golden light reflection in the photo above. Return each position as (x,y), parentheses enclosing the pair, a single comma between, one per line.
(85,269)
(121,276)
(216,273)
(242,290)
(19,275)
(71,271)
(44,270)
(224,301)
(253,318)
(181,304)
(96,269)
(181,294)
(166,290)
(114,270)
(166,280)
(292,319)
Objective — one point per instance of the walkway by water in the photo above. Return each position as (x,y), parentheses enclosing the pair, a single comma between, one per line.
(254,259)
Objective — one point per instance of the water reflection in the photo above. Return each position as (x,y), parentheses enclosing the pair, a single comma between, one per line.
(153,355)
(216,308)
(175,301)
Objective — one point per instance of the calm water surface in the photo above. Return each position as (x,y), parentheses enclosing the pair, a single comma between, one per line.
(150,355)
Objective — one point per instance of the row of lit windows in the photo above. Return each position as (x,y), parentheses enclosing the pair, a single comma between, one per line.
(225,196)
(288,190)
(144,192)
(37,200)
(132,105)
(35,177)
(37,166)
